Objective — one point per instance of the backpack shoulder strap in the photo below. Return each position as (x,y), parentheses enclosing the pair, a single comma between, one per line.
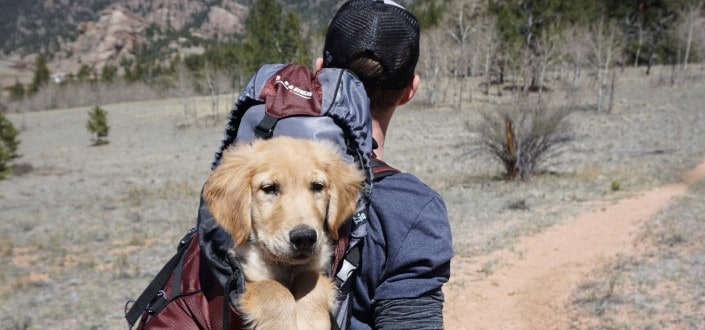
(381,169)
(347,262)
(154,297)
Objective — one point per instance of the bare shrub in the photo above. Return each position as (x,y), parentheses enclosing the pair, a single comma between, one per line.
(524,135)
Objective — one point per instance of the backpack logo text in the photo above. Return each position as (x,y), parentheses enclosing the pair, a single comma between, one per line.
(296,90)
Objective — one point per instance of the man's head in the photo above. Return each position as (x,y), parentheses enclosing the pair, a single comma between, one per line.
(378,40)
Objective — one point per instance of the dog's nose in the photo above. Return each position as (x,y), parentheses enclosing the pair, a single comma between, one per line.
(303,238)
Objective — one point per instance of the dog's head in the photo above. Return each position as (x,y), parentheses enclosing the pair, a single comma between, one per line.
(284,195)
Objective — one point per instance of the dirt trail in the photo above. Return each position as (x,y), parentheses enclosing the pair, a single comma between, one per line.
(530,285)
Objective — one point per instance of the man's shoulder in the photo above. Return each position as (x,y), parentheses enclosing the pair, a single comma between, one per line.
(405,186)
(403,201)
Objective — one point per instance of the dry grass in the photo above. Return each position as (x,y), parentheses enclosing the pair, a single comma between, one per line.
(660,287)
(644,143)
(87,228)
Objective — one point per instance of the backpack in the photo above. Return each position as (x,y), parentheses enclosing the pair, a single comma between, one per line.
(280,100)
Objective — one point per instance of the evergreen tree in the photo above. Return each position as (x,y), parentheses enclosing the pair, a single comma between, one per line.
(293,46)
(262,29)
(98,124)
(84,72)
(521,24)
(648,26)
(429,13)
(41,74)
(17,91)
(8,145)
(109,73)
(271,36)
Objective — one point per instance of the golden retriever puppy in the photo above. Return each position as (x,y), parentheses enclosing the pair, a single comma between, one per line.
(283,201)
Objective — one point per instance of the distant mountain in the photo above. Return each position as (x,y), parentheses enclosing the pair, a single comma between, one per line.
(101,32)
(34,25)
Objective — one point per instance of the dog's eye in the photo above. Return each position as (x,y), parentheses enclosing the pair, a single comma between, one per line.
(271,189)
(317,186)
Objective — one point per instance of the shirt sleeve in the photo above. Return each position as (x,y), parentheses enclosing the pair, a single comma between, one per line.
(416,313)
(418,245)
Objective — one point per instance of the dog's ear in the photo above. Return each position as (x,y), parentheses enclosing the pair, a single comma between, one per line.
(228,194)
(346,182)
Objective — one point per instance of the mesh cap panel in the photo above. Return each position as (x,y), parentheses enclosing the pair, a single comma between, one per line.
(376,29)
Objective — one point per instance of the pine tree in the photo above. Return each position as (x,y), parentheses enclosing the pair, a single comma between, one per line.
(109,73)
(17,91)
(8,145)
(293,49)
(649,28)
(98,124)
(262,29)
(429,13)
(84,72)
(41,74)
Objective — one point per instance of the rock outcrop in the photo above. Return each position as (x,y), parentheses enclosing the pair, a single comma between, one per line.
(120,28)
(111,39)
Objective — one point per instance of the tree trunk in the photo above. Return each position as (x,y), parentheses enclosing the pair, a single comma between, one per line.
(488,79)
(213,92)
(500,80)
(640,41)
(542,76)
(612,87)
(689,41)
(600,89)
(511,162)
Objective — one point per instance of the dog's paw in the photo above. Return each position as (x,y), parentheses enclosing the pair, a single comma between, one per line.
(315,299)
(267,304)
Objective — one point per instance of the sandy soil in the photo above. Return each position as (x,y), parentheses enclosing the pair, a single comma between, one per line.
(532,287)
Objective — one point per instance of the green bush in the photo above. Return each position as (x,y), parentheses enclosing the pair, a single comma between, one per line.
(615,185)
(8,145)
(97,124)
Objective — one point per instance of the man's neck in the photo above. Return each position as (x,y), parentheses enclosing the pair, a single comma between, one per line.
(379,138)
(380,122)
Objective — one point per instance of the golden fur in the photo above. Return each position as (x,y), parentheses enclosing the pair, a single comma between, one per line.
(283,200)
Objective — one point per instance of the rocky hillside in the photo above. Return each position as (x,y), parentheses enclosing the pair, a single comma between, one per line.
(100,32)
(97,33)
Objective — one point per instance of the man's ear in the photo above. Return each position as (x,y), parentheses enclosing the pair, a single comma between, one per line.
(410,90)
(319,64)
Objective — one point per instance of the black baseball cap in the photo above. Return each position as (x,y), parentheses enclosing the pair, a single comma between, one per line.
(379,29)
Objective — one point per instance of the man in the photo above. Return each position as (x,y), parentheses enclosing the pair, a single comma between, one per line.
(405,258)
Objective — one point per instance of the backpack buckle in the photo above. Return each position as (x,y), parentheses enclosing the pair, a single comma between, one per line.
(157,303)
(265,128)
